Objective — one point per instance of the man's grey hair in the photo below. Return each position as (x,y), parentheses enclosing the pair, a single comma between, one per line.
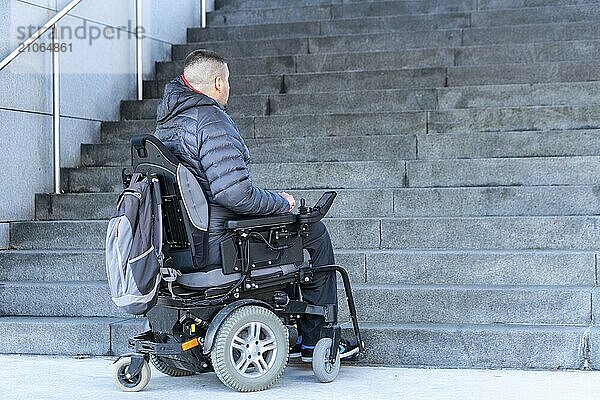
(202,67)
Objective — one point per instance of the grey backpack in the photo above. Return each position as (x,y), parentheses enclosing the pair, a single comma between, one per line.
(133,247)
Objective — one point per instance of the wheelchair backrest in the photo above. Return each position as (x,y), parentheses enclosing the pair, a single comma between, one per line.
(184,204)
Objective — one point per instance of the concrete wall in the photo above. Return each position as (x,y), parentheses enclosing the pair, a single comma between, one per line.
(96,74)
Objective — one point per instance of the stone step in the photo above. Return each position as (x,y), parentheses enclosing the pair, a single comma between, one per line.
(367,101)
(475,346)
(330,62)
(240,106)
(532,15)
(580,142)
(502,233)
(504,4)
(490,17)
(503,74)
(343,12)
(89,265)
(432,5)
(472,304)
(122,131)
(95,336)
(233,5)
(496,201)
(504,172)
(577,50)
(348,175)
(63,235)
(357,148)
(402,267)
(57,299)
(349,124)
(50,266)
(459,267)
(328,82)
(500,74)
(543,32)
(249,84)
(439,5)
(503,119)
(439,233)
(493,96)
(275,28)
(74,206)
(325,44)
(355,233)
(245,48)
(115,130)
(371,203)
(536,171)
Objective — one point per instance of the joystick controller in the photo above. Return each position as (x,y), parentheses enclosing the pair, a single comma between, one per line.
(314,214)
(303,209)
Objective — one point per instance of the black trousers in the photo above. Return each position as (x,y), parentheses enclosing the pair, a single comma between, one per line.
(323,289)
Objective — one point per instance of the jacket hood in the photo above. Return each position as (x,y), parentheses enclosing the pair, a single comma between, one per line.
(178,98)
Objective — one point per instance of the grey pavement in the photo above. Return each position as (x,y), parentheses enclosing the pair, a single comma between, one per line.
(43,377)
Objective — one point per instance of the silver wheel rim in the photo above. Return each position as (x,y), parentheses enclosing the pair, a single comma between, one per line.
(329,366)
(253,349)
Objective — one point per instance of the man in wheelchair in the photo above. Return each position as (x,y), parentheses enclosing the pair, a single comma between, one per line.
(233,252)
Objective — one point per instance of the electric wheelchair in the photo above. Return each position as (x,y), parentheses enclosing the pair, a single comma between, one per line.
(237,320)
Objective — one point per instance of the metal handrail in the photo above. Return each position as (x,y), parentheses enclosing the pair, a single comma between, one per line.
(39,33)
(51,24)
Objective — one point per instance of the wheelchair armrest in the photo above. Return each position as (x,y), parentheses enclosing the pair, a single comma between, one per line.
(259,222)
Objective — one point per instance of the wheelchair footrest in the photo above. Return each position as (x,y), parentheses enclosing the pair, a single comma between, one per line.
(145,344)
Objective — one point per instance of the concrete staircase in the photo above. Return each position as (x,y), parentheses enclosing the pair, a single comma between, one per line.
(463,138)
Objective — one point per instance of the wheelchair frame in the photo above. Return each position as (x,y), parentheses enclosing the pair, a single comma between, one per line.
(185,322)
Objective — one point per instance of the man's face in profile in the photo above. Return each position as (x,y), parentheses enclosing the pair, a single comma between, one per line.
(222,87)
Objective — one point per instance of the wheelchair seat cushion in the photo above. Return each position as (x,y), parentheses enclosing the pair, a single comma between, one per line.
(216,278)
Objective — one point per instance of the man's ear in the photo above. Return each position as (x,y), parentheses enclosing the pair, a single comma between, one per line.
(219,84)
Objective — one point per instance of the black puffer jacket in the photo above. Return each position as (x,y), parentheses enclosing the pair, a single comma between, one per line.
(200,134)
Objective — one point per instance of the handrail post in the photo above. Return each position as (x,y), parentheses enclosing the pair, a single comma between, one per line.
(56,107)
(203,13)
(139,50)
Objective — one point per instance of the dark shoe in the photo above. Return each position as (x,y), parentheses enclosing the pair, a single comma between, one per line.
(307,353)
(296,351)
(348,349)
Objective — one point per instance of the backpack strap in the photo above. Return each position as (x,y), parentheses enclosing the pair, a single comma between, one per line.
(170,275)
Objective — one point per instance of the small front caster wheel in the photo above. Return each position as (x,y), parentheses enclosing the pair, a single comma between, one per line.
(125,381)
(324,369)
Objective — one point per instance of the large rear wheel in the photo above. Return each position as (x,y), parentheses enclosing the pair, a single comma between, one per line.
(251,349)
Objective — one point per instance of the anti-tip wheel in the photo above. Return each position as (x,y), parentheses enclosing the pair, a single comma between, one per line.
(125,381)
(324,369)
